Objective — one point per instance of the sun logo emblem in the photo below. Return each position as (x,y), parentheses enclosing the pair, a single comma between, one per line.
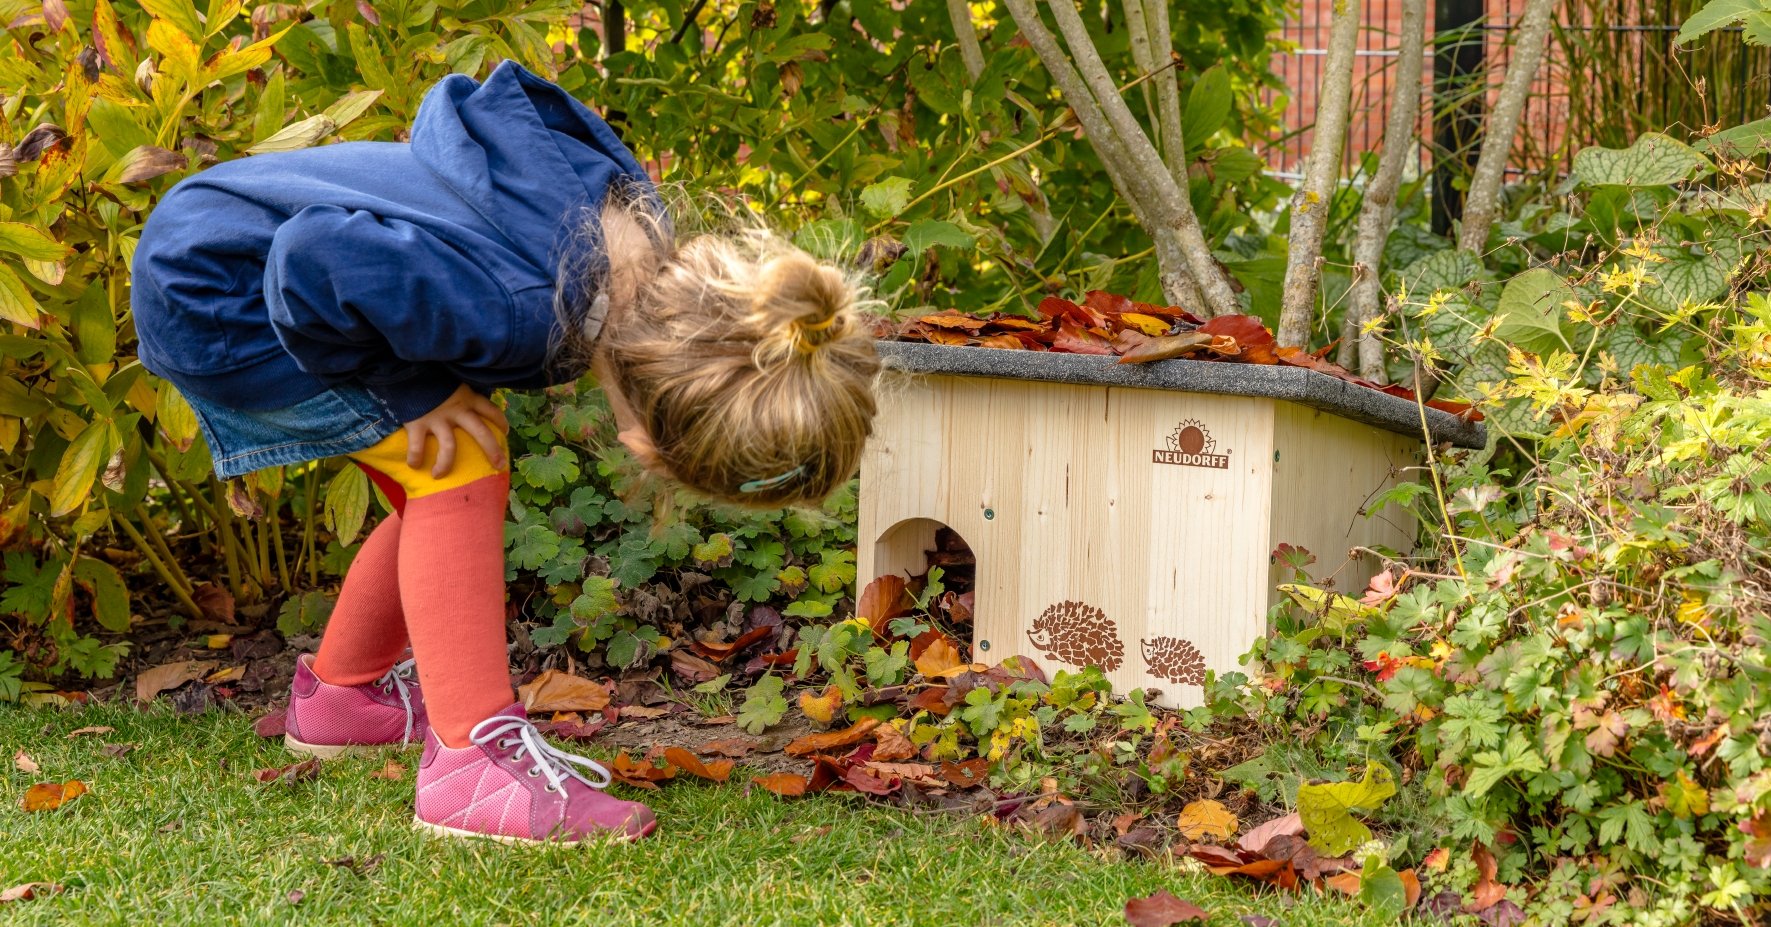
(1190,437)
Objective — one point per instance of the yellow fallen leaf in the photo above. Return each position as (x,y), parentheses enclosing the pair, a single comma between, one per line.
(556,691)
(1148,324)
(48,796)
(1207,819)
(821,708)
(939,657)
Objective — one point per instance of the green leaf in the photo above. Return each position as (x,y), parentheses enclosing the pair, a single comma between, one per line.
(886,667)
(296,135)
(716,549)
(16,302)
(1717,14)
(350,106)
(110,598)
(1740,141)
(1208,106)
(714,685)
(1654,160)
(175,417)
(1530,312)
(626,649)
(595,599)
(550,471)
(924,234)
(1381,888)
(181,14)
(763,705)
(30,242)
(1442,270)
(79,467)
(303,613)
(808,608)
(887,198)
(347,503)
(1327,809)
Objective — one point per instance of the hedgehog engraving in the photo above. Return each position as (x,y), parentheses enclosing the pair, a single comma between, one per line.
(1078,634)
(1175,660)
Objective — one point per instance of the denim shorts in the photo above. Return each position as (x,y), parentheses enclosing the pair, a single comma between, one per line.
(341,420)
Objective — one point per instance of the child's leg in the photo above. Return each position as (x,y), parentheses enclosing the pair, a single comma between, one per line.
(367,631)
(450,566)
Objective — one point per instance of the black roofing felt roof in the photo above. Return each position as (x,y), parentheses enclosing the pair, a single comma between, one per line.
(1293,384)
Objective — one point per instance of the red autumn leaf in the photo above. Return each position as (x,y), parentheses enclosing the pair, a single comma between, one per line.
(1162,910)
(717,771)
(1074,339)
(1246,329)
(1308,862)
(932,700)
(48,796)
(827,774)
(1057,308)
(303,771)
(1218,856)
(975,771)
(884,599)
(1107,304)
(1462,410)
(1275,871)
(722,652)
(788,785)
(870,782)
(1758,839)
(818,743)
(272,725)
(1002,342)
(1381,589)
(734,747)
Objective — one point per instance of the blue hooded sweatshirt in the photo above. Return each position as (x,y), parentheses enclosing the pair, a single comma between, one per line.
(406,269)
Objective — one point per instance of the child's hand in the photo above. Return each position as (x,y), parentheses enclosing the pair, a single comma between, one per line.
(466,410)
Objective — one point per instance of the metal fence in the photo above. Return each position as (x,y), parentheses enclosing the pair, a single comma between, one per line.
(1612,72)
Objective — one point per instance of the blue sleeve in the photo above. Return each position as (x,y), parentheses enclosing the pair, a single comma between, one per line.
(358,297)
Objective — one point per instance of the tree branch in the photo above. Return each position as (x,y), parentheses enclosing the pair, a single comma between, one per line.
(1483,202)
(1164,202)
(1309,206)
(1401,129)
(1168,91)
(966,32)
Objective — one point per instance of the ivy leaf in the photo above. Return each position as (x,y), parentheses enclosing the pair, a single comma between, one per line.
(1327,809)
(764,705)
(887,198)
(1654,160)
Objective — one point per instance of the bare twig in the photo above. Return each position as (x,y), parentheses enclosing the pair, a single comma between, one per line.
(1483,202)
(966,31)
(1309,206)
(1401,129)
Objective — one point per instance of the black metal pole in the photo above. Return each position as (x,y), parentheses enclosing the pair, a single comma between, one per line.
(1459,51)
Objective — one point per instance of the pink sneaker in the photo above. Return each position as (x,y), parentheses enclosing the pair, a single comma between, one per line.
(513,786)
(325,720)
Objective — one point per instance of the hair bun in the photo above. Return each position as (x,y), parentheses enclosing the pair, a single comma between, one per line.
(808,300)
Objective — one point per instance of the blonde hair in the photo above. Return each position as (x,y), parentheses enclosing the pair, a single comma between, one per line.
(749,363)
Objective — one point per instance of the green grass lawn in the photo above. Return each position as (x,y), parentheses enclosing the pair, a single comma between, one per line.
(177,832)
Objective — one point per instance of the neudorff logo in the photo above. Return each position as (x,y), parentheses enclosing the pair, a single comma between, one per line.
(1191,445)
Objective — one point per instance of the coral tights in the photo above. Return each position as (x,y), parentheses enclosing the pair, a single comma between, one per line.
(432,574)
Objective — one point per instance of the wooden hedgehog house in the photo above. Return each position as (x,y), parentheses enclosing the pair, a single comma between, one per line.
(1124,516)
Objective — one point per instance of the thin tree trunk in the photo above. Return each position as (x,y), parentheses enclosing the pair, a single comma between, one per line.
(1309,206)
(1168,92)
(1138,170)
(1379,210)
(966,31)
(1483,202)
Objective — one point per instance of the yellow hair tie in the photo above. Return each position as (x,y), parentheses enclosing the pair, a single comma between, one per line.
(820,326)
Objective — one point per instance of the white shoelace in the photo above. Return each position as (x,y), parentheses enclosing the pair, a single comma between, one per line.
(399,680)
(505,732)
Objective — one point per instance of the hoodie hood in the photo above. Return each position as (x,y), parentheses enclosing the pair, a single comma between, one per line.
(523,154)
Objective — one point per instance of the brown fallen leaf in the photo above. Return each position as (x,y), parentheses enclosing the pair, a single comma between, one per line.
(1487,892)
(116,751)
(641,774)
(28,891)
(919,773)
(818,743)
(1205,819)
(821,708)
(356,866)
(225,675)
(720,652)
(736,748)
(1167,347)
(392,772)
(78,732)
(884,599)
(1255,840)
(303,771)
(48,796)
(642,712)
(1347,882)
(718,770)
(556,691)
(932,700)
(274,724)
(25,764)
(1162,910)
(789,785)
(1410,888)
(169,676)
(892,745)
(975,771)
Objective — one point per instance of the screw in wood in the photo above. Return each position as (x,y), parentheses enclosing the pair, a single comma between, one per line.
(989,514)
